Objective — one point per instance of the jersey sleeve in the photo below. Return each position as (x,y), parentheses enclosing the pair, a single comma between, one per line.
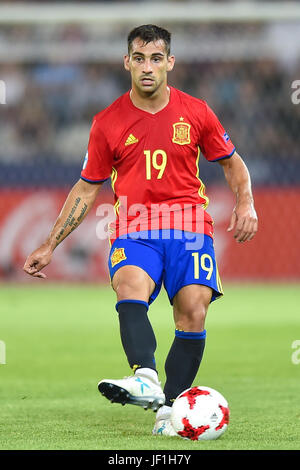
(215,143)
(97,166)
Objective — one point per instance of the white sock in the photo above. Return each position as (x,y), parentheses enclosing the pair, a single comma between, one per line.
(164,412)
(147,372)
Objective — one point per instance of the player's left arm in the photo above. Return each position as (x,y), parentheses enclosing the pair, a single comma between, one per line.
(244,220)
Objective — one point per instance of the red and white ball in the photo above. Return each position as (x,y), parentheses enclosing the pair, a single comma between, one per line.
(200,413)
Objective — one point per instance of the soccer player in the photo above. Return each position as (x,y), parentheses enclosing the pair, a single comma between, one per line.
(149,142)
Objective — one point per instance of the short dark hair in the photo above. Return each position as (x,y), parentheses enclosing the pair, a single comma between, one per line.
(150,33)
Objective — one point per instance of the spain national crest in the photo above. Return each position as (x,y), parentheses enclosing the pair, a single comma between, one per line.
(117,256)
(181,133)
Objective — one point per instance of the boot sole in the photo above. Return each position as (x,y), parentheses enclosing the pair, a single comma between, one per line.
(116,394)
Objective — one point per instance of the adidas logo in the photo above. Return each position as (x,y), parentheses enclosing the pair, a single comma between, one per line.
(131,140)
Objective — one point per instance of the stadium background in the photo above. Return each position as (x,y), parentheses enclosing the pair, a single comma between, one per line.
(59,73)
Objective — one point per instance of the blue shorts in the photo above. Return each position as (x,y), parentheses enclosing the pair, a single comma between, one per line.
(171,257)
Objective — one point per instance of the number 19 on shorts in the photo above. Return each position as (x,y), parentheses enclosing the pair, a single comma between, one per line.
(204,262)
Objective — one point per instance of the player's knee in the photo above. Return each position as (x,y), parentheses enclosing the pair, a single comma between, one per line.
(127,290)
(191,319)
(190,307)
(131,284)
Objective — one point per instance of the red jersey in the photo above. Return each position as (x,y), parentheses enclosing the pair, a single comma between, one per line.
(153,159)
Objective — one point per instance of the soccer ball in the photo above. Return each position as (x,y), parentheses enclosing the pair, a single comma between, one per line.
(200,413)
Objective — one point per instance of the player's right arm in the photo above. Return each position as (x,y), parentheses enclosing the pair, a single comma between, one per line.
(77,205)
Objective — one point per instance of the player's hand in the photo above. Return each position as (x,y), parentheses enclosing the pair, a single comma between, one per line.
(244,222)
(37,261)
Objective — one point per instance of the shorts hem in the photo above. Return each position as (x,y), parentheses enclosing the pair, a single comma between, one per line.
(215,293)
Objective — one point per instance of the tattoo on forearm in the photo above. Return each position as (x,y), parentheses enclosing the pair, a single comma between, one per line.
(83,211)
(71,221)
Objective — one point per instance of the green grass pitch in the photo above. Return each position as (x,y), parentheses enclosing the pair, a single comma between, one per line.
(61,340)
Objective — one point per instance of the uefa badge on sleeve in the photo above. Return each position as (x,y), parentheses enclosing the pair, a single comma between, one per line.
(226,137)
(2,92)
(85,161)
